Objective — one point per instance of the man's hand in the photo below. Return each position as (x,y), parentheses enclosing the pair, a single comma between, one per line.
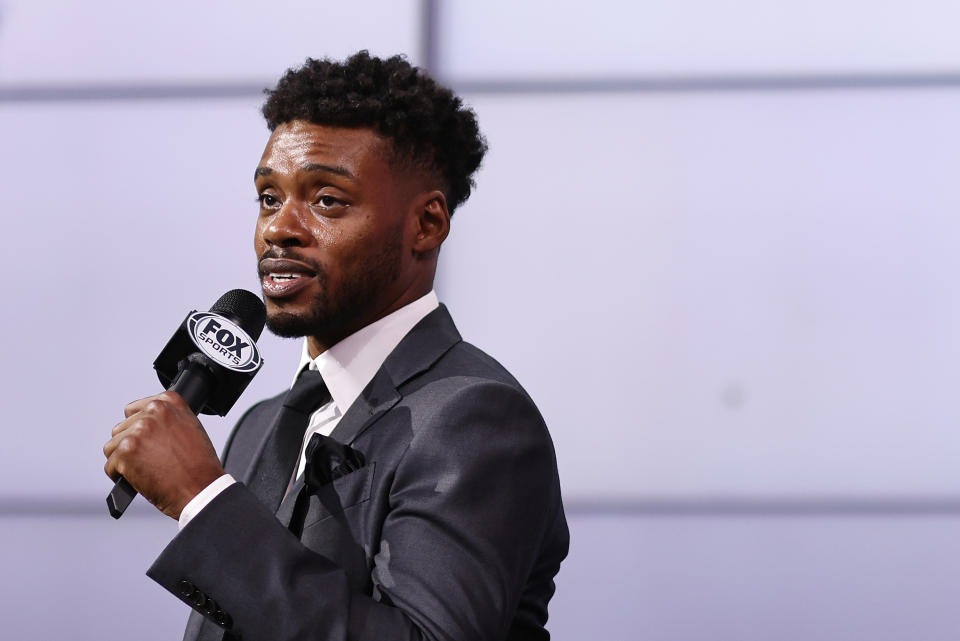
(163,452)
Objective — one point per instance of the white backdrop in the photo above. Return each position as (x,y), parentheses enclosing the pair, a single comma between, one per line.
(736,308)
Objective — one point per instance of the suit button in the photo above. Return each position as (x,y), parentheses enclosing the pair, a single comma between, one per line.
(186,588)
(222,618)
(199,598)
(211,607)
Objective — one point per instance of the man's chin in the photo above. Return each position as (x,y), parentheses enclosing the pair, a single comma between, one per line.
(287,325)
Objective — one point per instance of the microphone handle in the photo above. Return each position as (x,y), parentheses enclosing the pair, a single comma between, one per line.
(194,382)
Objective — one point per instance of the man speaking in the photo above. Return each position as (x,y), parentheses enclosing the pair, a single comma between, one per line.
(405,486)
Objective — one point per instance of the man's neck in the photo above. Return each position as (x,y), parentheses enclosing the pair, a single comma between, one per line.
(350,364)
(317,345)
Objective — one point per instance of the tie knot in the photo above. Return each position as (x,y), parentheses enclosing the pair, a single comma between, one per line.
(308,392)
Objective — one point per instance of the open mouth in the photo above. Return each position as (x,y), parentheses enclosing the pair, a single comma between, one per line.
(280,277)
(283,277)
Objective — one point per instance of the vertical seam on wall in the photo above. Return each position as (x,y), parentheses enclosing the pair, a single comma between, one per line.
(428,35)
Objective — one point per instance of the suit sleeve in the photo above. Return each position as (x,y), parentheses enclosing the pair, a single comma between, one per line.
(470,502)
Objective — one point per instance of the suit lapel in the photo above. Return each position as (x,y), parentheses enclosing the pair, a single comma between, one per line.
(261,493)
(429,339)
(289,502)
(418,351)
(377,397)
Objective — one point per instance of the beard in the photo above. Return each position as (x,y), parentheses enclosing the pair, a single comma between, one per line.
(356,292)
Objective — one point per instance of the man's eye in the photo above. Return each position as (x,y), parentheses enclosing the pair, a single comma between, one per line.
(267,201)
(327,202)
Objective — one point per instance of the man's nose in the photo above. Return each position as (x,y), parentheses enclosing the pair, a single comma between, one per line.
(288,227)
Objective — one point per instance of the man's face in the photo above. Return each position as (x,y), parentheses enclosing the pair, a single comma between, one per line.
(332,238)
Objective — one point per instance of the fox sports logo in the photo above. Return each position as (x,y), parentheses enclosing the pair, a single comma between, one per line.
(223,341)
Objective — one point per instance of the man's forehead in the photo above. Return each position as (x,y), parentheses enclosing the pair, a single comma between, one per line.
(354,152)
(300,139)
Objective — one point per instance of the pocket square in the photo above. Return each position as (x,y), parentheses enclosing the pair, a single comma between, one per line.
(329,459)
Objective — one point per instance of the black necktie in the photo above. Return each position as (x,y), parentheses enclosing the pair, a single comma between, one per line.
(281,451)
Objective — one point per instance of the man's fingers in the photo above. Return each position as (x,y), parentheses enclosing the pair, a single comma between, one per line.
(111,445)
(161,449)
(136,406)
(140,404)
(119,427)
(110,468)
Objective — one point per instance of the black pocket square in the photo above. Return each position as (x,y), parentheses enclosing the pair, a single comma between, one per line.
(329,459)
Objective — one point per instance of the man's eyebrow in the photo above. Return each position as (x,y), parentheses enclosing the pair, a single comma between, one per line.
(331,169)
(312,167)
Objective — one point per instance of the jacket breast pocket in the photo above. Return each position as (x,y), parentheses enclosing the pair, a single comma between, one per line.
(333,498)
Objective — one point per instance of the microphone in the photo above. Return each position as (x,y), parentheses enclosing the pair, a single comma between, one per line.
(209,361)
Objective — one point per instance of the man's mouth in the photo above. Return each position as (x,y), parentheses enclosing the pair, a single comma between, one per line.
(281,278)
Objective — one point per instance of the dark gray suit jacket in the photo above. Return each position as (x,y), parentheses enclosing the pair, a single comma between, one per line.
(454,528)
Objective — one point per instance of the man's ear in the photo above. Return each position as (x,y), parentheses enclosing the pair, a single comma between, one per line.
(432,222)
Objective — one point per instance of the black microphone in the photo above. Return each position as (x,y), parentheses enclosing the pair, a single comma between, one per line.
(209,361)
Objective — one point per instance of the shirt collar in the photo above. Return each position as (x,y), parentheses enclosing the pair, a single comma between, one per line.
(349,365)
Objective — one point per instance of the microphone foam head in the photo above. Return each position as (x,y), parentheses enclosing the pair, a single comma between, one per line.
(245,308)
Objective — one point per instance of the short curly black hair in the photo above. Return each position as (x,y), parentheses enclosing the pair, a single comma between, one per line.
(427,124)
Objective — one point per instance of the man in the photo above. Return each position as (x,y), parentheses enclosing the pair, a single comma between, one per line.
(425,503)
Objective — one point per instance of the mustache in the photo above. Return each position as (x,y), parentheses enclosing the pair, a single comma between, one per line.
(287,254)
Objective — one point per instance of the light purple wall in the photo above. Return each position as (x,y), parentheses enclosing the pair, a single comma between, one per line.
(736,308)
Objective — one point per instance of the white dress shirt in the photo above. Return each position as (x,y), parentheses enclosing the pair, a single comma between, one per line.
(346,369)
